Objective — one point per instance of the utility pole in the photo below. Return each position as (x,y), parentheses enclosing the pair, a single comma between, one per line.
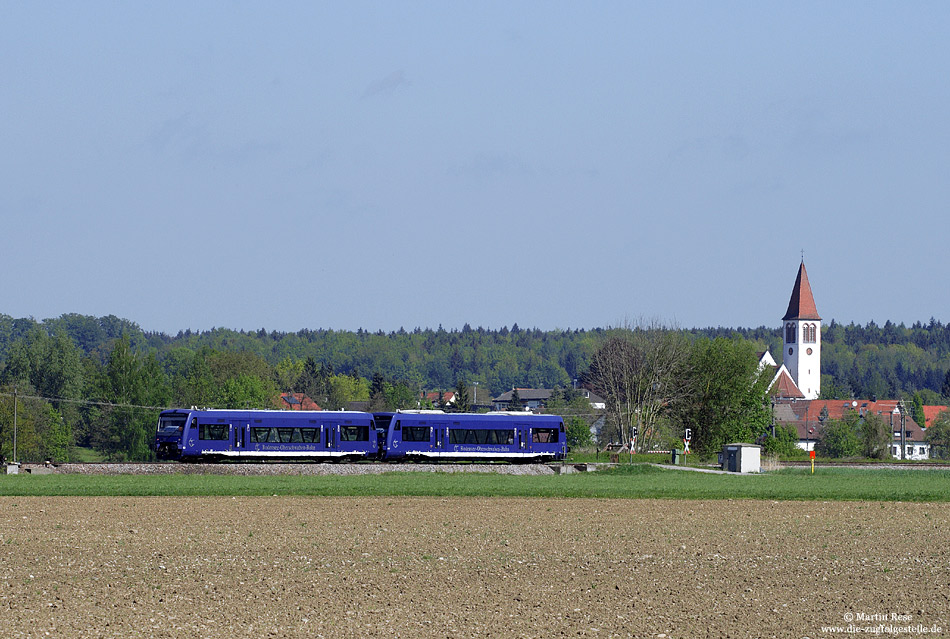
(14,423)
(900,406)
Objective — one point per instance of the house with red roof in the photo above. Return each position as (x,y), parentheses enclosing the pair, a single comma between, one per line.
(808,417)
(447,398)
(297,401)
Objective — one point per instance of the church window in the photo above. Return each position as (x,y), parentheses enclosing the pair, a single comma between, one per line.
(790,333)
(810,333)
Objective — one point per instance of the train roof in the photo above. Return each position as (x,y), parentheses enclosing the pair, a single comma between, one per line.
(267,411)
(467,417)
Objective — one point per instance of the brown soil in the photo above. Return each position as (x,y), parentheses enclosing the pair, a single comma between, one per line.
(425,567)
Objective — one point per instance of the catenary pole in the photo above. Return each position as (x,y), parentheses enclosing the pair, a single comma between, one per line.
(14,422)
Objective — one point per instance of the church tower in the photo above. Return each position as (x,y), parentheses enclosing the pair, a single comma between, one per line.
(801,328)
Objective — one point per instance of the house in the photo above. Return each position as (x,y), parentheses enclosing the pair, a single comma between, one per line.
(596,402)
(809,416)
(297,401)
(439,398)
(531,398)
(534,399)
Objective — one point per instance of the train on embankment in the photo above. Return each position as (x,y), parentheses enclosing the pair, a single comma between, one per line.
(334,436)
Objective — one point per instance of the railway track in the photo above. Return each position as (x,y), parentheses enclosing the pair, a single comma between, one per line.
(277,468)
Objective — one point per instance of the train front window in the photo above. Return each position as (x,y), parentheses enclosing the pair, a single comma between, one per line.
(172,422)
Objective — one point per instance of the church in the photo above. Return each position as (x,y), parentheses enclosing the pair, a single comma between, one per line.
(796,385)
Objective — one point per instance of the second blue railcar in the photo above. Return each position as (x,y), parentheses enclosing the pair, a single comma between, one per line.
(437,436)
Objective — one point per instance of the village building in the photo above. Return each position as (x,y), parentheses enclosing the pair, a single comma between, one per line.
(439,398)
(536,399)
(297,401)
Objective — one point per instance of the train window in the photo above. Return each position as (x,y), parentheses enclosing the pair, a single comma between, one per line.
(544,435)
(297,437)
(481,436)
(398,427)
(214,432)
(259,435)
(309,435)
(354,433)
(415,434)
(285,435)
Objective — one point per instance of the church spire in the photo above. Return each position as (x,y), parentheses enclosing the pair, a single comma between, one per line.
(802,303)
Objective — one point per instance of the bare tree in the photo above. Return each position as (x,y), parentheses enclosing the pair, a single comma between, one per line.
(640,373)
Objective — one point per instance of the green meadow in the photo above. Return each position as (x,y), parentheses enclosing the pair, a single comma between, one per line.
(635,481)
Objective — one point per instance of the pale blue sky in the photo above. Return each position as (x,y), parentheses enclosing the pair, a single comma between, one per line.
(349,164)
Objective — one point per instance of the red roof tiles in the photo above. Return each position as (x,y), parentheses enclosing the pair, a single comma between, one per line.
(802,303)
(805,414)
(930,414)
(785,387)
(298,401)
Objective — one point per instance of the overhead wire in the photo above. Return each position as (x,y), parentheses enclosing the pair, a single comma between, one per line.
(86,402)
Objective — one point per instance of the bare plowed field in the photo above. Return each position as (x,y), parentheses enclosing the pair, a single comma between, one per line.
(428,567)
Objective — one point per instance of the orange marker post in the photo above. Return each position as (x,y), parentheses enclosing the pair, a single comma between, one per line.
(811,454)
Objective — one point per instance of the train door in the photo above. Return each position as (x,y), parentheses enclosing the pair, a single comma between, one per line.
(440,439)
(331,436)
(238,437)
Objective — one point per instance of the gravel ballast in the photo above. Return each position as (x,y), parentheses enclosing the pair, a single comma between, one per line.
(173,468)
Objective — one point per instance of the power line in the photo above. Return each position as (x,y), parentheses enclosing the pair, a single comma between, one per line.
(85,402)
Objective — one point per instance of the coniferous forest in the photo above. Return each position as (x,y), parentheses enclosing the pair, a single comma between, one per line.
(98,382)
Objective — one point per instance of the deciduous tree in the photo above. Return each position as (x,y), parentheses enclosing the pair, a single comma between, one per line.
(640,374)
(839,437)
(727,395)
(938,436)
(875,434)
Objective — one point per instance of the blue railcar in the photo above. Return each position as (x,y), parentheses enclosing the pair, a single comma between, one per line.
(438,436)
(193,435)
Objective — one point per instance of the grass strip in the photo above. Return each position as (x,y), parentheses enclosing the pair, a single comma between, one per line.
(641,481)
